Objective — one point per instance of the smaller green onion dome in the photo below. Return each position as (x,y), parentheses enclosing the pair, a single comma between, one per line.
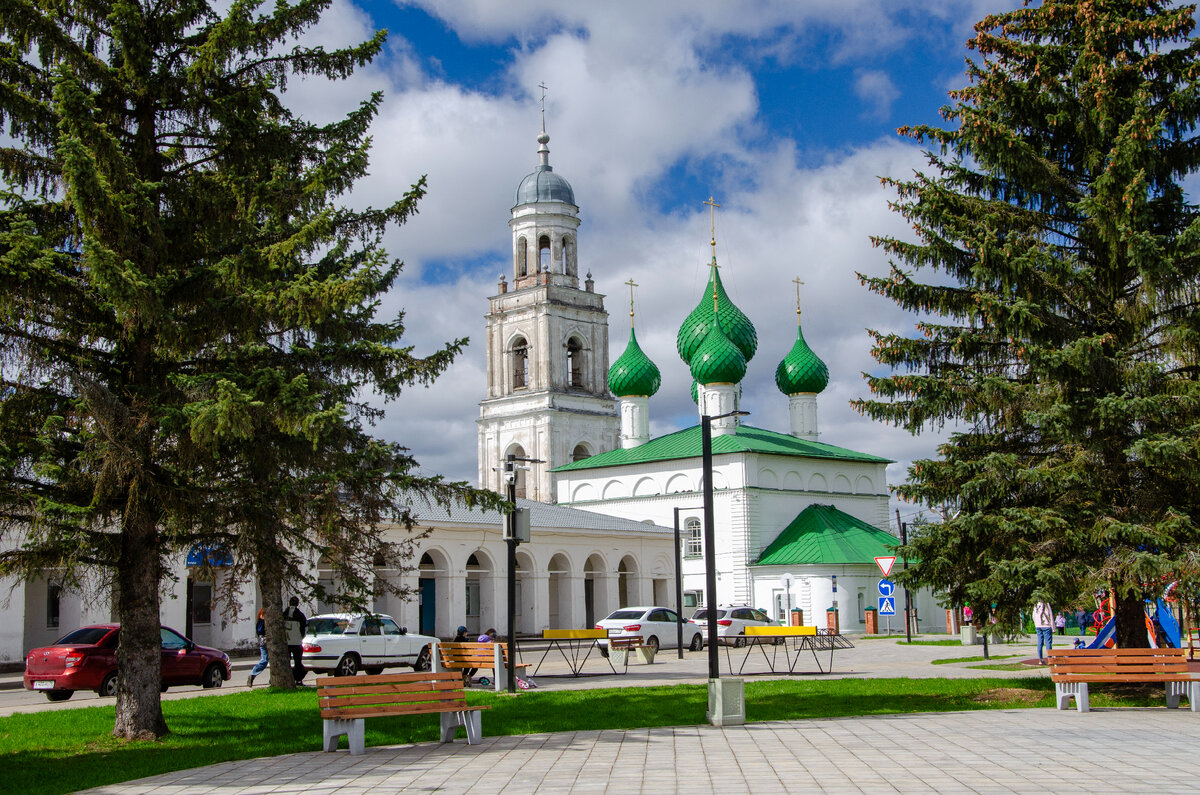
(633,374)
(801,370)
(695,328)
(718,360)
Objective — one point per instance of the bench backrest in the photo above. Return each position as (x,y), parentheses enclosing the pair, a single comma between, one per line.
(1118,661)
(473,655)
(343,696)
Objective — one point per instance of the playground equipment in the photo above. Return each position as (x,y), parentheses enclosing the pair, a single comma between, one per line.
(1163,617)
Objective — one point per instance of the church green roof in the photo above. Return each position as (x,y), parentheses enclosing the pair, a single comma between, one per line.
(734,323)
(824,535)
(801,370)
(686,444)
(633,373)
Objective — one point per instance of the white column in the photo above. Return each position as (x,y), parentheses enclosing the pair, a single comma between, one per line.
(802,413)
(718,399)
(635,421)
(446,621)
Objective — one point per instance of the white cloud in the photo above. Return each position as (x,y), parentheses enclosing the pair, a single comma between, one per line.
(877,91)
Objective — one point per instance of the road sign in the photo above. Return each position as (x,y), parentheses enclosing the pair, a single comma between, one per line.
(886,587)
(885,563)
(887,606)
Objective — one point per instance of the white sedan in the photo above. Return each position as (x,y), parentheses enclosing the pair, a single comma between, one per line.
(345,643)
(657,626)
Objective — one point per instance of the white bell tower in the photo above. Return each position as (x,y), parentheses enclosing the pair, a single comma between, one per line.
(547,345)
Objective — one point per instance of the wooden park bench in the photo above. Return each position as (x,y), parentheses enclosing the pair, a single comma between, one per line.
(1072,670)
(346,701)
(619,648)
(463,657)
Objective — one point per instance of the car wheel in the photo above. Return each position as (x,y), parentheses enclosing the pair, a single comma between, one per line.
(697,643)
(740,640)
(213,677)
(347,666)
(108,686)
(373,671)
(59,695)
(652,643)
(422,663)
(603,651)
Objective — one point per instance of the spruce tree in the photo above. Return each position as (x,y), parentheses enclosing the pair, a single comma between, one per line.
(188,324)
(1055,274)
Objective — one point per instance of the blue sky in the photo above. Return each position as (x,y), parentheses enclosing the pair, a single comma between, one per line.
(784,111)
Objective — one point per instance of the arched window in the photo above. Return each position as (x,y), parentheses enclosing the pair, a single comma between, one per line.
(518,451)
(574,362)
(693,538)
(520,363)
(580,452)
(522,253)
(543,253)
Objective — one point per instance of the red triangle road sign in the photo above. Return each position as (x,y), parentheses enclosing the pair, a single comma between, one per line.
(885,563)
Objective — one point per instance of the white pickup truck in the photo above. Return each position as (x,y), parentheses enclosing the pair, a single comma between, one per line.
(345,643)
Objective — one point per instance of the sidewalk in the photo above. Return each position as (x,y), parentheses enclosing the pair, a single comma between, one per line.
(1035,750)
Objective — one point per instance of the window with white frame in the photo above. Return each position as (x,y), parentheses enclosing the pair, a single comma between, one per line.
(693,539)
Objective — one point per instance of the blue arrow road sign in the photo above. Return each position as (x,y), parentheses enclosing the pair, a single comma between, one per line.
(887,606)
(886,587)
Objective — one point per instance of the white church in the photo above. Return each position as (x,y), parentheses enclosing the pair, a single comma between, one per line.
(604,502)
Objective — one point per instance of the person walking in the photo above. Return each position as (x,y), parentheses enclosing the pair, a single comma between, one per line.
(260,629)
(1043,624)
(296,624)
(1085,621)
(1060,624)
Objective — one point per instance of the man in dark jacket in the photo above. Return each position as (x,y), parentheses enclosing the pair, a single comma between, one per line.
(296,624)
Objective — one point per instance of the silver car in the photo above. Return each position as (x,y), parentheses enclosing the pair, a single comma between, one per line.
(657,626)
(346,643)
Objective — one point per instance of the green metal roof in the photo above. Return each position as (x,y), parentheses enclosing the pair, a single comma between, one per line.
(686,444)
(823,534)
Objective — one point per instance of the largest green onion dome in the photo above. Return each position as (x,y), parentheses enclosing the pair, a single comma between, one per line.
(696,326)
(801,370)
(633,374)
(718,360)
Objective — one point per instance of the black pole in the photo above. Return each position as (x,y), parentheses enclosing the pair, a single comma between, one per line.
(510,474)
(710,546)
(907,599)
(678,586)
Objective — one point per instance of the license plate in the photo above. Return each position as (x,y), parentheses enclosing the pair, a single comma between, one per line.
(43,684)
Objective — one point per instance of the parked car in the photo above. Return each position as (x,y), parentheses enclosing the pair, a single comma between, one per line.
(732,621)
(86,659)
(656,625)
(346,643)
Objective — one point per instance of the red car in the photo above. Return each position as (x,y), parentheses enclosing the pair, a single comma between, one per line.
(86,659)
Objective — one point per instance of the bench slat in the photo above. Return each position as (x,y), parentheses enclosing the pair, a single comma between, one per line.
(361,688)
(392,698)
(1119,678)
(383,712)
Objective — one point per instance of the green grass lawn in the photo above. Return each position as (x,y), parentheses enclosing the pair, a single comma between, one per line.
(66,750)
(980,658)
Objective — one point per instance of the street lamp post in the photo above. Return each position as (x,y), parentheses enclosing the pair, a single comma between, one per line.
(510,536)
(710,570)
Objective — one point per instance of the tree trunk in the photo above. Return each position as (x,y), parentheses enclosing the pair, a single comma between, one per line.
(271,587)
(1130,613)
(139,655)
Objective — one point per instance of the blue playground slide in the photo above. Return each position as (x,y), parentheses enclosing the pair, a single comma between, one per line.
(1106,635)
(1169,624)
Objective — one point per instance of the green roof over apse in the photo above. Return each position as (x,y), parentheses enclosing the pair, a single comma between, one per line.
(686,444)
(823,534)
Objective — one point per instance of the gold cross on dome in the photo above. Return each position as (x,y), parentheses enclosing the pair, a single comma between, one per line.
(712,211)
(631,284)
(796,281)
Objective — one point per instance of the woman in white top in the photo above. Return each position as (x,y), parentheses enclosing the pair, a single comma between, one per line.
(1043,623)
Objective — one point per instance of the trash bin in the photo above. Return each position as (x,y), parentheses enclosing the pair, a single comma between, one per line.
(968,635)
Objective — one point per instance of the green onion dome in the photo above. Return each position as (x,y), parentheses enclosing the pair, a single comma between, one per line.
(633,374)
(718,360)
(801,370)
(736,325)
(695,392)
